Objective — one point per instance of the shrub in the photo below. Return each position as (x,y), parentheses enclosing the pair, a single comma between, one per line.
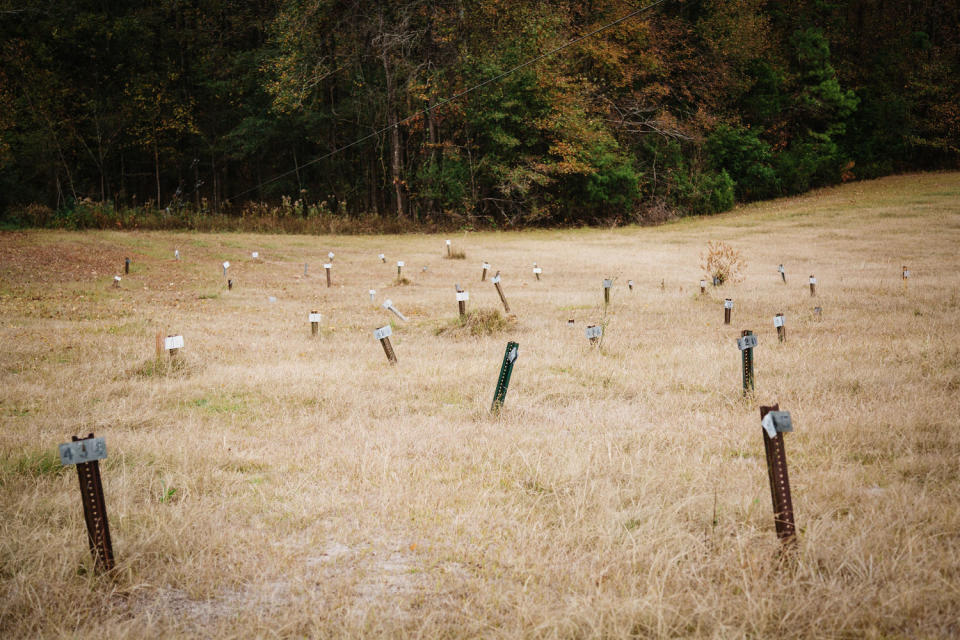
(723,262)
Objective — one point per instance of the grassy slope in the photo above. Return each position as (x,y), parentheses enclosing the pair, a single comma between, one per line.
(319,491)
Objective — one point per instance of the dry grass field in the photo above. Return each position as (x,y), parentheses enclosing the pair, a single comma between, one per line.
(275,484)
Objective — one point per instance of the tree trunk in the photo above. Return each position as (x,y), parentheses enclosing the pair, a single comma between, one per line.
(395,158)
(156,164)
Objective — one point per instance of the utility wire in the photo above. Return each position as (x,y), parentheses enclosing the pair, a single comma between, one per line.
(457,96)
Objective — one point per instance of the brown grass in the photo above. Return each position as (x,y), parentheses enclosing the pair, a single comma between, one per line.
(283,485)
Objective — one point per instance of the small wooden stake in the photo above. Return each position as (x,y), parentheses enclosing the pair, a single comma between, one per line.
(462,297)
(483,276)
(496,283)
(314,325)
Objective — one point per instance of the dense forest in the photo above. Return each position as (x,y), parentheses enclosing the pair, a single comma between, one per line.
(340,108)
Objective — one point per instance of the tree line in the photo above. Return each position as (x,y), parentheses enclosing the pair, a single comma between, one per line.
(340,107)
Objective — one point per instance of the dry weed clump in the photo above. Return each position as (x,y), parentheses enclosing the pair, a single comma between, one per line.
(162,366)
(722,262)
(479,322)
(456,254)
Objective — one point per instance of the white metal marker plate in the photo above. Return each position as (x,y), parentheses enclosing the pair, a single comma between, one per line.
(315,317)
(537,270)
(594,332)
(813,280)
(607,284)
(383,332)
(778,321)
(747,342)
(486,265)
(226,265)
(83,451)
(255,254)
(462,296)
(728,304)
(173,342)
(330,255)
(777,422)
(381,256)
(448,243)
(906,274)
(328,266)
(495,279)
(780,269)
(400,263)
(117,278)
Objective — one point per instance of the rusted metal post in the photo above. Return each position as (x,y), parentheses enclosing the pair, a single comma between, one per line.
(775,423)
(496,283)
(314,318)
(746,344)
(327,267)
(399,270)
(383,335)
(462,297)
(607,285)
(85,453)
(229,285)
(813,286)
(818,313)
(727,310)
(905,275)
(781,330)
(126,265)
(486,267)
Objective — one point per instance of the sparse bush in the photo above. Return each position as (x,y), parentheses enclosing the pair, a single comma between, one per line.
(456,254)
(723,262)
(482,322)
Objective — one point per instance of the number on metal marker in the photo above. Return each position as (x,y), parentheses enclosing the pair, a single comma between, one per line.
(607,284)
(778,321)
(594,332)
(462,296)
(226,265)
(328,266)
(83,451)
(813,280)
(777,422)
(495,279)
(383,332)
(173,342)
(746,342)
(255,254)
(486,265)
(400,263)
(315,317)
(728,304)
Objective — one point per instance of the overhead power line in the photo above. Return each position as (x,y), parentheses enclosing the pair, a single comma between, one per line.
(457,96)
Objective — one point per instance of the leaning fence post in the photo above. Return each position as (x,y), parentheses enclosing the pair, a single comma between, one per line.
(85,453)
(775,423)
(503,380)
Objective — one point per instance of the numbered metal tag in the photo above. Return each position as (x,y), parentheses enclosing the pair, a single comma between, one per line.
(594,332)
(381,256)
(607,284)
(400,263)
(746,342)
(813,280)
(116,278)
(173,342)
(315,317)
(778,321)
(780,269)
(512,356)
(255,255)
(906,274)
(486,265)
(777,422)
(328,266)
(83,451)
(226,265)
(495,279)
(330,255)
(728,304)
(537,270)
(383,332)
(462,296)
(448,243)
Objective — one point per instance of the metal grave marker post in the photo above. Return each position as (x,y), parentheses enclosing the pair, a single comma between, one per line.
(486,267)
(173,344)
(503,381)
(607,285)
(496,283)
(630,285)
(327,267)
(226,265)
(462,297)
(383,335)
(85,453)
(746,344)
(388,305)
(126,265)
(176,254)
(781,330)
(594,333)
(783,274)
(703,287)
(818,313)
(229,285)
(813,286)
(255,255)
(314,318)
(448,249)
(537,270)
(116,282)
(330,256)
(399,269)
(372,292)
(727,310)
(775,423)
(905,275)
(383,258)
